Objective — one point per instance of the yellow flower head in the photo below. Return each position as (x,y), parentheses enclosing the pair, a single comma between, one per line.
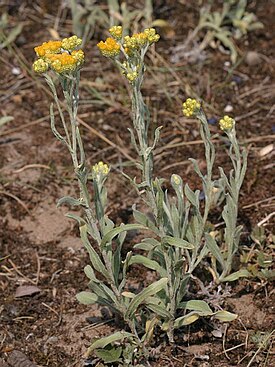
(151,35)
(109,48)
(71,43)
(190,107)
(136,42)
(62,63)
(40,66)
(100,170)
(79,56)
(51,47)
(176,179)
(227,123)
(116,32)
(132,76)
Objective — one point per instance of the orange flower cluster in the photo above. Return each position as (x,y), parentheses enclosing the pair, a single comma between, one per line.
(51,47)
(109,48)
(60,56)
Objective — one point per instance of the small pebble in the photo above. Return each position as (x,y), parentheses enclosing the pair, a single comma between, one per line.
(228,108)
(15,71)
(253,58)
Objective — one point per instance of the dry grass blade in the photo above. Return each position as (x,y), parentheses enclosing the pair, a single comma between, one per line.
(17,199)
(266,219)
(259,202)
(106,140)
(263,345)
(30,166)
(20,273)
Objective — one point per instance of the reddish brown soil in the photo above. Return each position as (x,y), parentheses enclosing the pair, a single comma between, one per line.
(39,246)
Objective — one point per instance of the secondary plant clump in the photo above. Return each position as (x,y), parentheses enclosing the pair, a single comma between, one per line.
(179,236)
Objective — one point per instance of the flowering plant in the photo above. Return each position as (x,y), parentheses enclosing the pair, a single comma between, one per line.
(180,236)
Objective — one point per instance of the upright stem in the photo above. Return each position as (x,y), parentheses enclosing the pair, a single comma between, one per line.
(171,293)
(207,183)
(239,162)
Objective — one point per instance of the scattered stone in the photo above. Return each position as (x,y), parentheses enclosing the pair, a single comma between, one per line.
(253,58)
(19,359)
(15,71)
(266,150)
(26,290)
(228,108)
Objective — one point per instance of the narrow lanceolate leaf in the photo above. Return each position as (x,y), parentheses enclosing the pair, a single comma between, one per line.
(77,218)
(103,342)
(147,244)
(243,273)
(88,270)
(192,196)
(104,297)
(69,201)
(159,310)
(144,220)
(55,132)
(114,232)
(144,294)
(109,355)
(87,298)
(225,316)
(148,263)
(177,242)
(196,168)
(197,305)
(186,320)
(95,259)
(214,248)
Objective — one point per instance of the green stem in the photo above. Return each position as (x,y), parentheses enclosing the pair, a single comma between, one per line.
(172,295)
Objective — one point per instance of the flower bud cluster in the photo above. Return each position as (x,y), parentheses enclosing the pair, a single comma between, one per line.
(116,32)
(226,123)
(190,107)
(100,170)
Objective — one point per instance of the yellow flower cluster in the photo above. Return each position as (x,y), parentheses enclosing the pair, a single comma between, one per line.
(116,32)
(64,62)
(151,35)
(100,169)
(139,40)
(109,48)
(59,56)
(136,42)
(226,123)
(176,179)
(190,107)
(40,66)
(132,76)
(71,43)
